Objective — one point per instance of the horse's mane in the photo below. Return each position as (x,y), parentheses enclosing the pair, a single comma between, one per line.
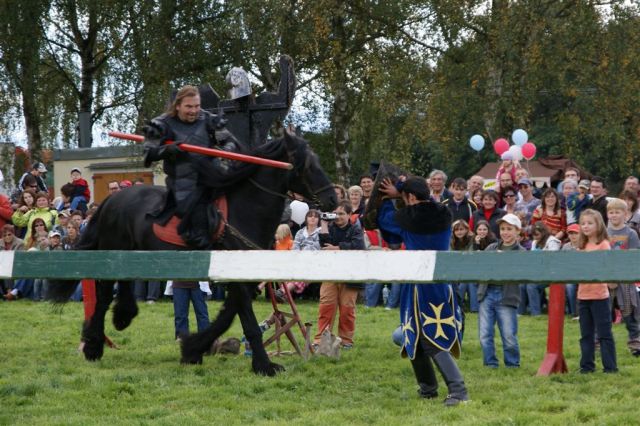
(239,171)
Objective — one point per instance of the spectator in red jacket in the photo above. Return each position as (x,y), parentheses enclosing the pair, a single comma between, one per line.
(5,210)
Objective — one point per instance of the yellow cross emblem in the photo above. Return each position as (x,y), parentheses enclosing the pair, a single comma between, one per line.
(438,321)
(407,327)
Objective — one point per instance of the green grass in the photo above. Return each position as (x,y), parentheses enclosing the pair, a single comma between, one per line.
(44,380)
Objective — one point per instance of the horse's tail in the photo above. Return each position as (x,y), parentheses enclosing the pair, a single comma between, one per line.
(59,291)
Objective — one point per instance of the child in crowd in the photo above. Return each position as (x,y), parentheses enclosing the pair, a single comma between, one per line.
(499,303)
(622,237)
(580,200)
(462,239)
(530,293)
(484,237)
(284,239)
(458,204)
(573,232)
(81,192)
(594,307)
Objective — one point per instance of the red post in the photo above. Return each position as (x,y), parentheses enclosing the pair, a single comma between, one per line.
(553,361)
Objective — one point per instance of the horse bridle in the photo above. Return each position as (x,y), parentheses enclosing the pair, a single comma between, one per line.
(297,169)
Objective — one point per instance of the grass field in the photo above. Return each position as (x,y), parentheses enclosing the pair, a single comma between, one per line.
(44,380)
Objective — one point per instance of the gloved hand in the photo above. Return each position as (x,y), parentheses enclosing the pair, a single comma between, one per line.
(153,130)
(170,151)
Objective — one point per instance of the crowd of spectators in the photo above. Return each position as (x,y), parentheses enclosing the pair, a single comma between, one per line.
(512,214)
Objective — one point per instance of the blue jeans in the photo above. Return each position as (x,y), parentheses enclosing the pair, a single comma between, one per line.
(24,287)
(39,289)
(394,296)
(472,289)
(76,201)
(491,311)
(571,291)
(146,290)
(372,293)
(181,298)
(530,294)
(595,316)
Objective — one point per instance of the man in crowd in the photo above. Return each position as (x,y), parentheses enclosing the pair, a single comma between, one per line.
(37,171)
(430,317)
(190,177)
(474,182)
(631,184)
(598,190)
(437,186)
(113,187)
(528,202)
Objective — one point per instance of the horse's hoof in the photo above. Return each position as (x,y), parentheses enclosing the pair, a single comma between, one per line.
(196,360)
(92,351)
(270,369)
(122,318)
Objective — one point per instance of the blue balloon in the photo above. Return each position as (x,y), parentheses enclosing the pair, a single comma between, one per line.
(477,142)
(519,137)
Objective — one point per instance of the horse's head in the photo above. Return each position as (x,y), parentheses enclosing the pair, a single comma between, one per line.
(307,177)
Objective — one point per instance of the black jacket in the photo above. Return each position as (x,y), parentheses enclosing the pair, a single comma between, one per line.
(464,210)
(349,237)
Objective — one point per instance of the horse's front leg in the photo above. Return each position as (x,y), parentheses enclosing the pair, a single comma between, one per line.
(260,362)
(126,308)
(93,330)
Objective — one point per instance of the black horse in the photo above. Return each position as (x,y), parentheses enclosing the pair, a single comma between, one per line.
(255,197)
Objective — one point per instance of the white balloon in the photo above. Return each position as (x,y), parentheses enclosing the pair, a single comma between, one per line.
(299,211)
(519,137)
(507,155)
(516,152)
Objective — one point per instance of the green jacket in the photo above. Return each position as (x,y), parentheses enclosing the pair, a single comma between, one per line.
(24,220)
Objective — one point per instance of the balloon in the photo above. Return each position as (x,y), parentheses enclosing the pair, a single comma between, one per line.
(528,150)
(500,146)
(477,142)
(299,211)
(519,137)
(516,152)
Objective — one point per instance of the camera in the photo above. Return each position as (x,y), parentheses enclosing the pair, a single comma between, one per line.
(328,216)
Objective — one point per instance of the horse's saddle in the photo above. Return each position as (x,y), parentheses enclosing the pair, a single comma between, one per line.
(169,231)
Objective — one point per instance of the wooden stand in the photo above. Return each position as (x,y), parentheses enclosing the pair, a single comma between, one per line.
(284,321)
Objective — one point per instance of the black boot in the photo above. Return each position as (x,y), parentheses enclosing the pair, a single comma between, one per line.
(452,377)
(425,375)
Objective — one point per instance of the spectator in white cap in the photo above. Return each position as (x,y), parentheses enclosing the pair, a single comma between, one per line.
(37,170)
(55,240)
(499,303)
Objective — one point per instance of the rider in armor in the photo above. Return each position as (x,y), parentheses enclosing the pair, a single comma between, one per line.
(189,194)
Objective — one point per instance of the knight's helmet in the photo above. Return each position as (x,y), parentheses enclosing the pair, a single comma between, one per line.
(238,80)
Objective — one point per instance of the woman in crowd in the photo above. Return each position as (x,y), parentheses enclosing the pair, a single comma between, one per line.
(633,214)
(551,214)
(36,230)
(462,239)
(41,211)
(509,198)
(488,210)
(356,198)
(476,196)
(341,192)
(26,202)
(73,236)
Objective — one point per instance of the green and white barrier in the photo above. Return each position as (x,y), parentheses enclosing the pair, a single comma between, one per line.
(342,266)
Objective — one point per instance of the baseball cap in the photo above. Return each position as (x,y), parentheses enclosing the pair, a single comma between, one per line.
(64,213)
(125,184)
(39,167)
(417,186)
(524,181)
(76,169)
(54,233)
(584,183)
(511,219)
(574,227)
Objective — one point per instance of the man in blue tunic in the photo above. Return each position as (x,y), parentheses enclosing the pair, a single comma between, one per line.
(431,319)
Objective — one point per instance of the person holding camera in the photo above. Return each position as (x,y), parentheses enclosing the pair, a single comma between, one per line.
(338,233)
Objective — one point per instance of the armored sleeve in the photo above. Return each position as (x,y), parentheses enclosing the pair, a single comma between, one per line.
(155,135)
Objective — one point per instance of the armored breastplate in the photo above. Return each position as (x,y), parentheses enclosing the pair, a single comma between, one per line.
(195,133)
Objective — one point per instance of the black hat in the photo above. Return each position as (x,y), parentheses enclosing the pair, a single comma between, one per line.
(417,186)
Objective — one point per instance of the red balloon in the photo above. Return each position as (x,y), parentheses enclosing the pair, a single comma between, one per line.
(528,150)
(500,146)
